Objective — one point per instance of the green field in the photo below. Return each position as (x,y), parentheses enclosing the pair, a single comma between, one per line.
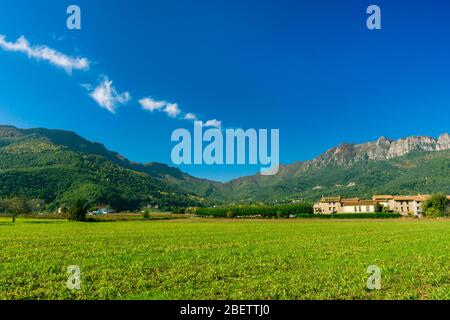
(225,259)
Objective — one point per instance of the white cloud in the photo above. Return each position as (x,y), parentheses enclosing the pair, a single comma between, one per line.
(107,96)
(45,53)
(172,110)
(190,116)
(213,123)
(151,105)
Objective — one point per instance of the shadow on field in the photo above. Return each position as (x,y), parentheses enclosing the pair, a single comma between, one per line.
(94,220)
(9,223)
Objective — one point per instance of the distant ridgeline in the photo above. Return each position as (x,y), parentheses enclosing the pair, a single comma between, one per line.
(59,166)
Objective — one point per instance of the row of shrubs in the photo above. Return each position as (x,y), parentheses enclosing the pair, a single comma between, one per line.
(265,211)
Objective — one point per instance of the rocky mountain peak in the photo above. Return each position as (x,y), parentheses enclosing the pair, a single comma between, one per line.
(381,149)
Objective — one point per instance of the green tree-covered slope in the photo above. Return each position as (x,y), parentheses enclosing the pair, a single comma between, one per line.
(59,166)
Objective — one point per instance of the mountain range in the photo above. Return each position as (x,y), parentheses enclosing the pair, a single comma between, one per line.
(58,166)
(406,166)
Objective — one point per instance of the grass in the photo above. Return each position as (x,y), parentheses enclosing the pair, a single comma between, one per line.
(135,217)
(106,217)
(225,259)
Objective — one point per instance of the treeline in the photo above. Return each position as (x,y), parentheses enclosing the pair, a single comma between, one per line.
(264,211)
(29,206)
(15,206)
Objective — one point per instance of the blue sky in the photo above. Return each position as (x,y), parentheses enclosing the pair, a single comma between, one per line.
(309,68)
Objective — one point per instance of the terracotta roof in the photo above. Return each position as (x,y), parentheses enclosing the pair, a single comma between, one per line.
(411,198)
(359,203)
(382,197)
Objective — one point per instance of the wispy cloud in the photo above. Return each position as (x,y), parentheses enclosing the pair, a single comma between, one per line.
(151,105)
(213,123)
(44,53)
(172,110)
(106,95)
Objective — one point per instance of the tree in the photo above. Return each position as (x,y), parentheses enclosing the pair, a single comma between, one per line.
(77,212)
(436,206)
(15,207)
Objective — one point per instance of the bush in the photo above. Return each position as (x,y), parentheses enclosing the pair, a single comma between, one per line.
(436,206)
(230,214)
(432,213)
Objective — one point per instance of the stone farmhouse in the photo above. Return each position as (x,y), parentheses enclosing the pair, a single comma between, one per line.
(405,205)
(330,205)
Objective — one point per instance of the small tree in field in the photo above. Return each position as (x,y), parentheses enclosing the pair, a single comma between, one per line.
(77,212)
(15,207)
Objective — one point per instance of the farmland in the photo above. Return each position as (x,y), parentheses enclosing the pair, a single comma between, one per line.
(197,258)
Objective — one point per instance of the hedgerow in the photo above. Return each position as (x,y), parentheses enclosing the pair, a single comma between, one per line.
(265,211)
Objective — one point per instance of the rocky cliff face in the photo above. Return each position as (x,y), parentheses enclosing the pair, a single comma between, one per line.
(443,142)
(382,149)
